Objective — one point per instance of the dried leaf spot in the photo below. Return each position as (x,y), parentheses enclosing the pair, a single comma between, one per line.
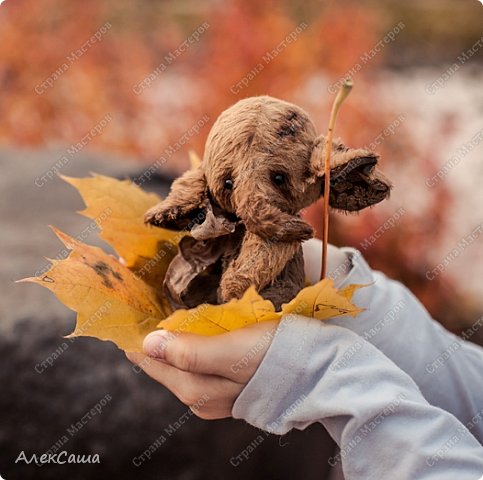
(117,275)
(104,270)
(323,306)
(48,279)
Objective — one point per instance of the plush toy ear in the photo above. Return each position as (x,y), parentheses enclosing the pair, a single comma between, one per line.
(355,182)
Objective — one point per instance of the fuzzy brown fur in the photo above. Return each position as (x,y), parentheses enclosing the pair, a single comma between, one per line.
(263,163)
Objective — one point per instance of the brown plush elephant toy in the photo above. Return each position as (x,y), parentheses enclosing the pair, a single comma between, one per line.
(263,163)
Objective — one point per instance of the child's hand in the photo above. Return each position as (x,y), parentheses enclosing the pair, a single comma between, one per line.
(205,373)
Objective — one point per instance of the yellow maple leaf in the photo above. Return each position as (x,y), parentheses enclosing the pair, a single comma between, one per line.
(123,303)
(323,301)
(208,319)
(118,208)
(111,302)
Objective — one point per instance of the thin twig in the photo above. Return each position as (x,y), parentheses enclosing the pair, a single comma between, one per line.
(344,90)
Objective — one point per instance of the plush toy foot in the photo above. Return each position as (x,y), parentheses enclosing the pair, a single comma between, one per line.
(174,217)
(232,286)
(161,214)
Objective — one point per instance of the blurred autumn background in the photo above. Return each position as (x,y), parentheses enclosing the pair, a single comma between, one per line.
(331,38)
(417,101)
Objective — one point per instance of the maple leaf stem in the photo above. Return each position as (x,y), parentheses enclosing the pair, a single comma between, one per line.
(344,90)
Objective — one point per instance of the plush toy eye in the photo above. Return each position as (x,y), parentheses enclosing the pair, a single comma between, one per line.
(278,179)
(228,184)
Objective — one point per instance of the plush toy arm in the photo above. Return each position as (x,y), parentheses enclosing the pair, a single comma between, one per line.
(258,263)
(187,199)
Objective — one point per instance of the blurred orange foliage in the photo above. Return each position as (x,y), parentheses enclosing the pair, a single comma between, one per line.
(202,81)
(233,57)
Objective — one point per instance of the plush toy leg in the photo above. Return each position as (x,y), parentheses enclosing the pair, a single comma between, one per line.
(187,198)
(290,281)
(259,263)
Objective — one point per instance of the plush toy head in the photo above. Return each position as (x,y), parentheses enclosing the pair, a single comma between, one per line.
(257,153)
(263,152)
(263,163)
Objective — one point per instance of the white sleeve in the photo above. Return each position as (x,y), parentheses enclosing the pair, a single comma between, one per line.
(447,369)
(314,372)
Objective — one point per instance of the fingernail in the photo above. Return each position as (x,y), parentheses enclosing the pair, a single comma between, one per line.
(155,343)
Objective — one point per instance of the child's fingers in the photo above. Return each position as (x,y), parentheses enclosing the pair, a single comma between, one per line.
(208,396)
(234,355)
